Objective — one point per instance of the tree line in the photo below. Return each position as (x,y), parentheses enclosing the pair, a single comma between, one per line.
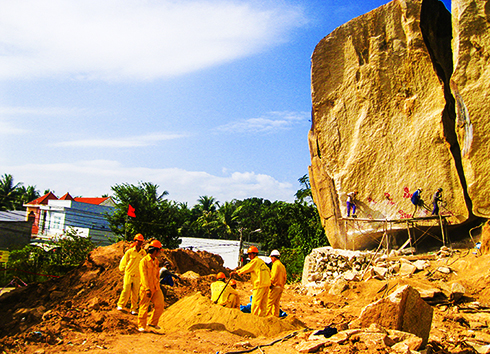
(292,228)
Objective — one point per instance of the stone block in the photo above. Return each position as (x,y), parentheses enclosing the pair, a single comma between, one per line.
(457,292)
(310,346)
(406,269)
(421,264)
(381,271)
(403,310)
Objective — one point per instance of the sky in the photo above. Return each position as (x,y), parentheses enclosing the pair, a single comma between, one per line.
(201,97)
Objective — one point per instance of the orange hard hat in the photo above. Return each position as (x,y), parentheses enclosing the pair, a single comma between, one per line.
(220,275)
(232,282)
(139,237)
(253,249)
(156,244)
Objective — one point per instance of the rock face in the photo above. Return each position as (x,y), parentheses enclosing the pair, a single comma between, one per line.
(470,84)
(384,119)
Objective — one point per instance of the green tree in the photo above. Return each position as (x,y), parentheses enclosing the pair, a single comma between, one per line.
(227,221)
(27,194)
(56,258)
(13,196)
(304,193)
(9,192)
(206,203)
(156,217)
(205,223)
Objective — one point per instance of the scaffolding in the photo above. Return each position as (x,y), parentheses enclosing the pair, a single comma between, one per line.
(411,224)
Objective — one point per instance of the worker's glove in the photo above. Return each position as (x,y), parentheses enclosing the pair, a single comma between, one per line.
(148,293)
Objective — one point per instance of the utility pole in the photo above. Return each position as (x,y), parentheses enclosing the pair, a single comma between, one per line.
(240,248)
(240,253)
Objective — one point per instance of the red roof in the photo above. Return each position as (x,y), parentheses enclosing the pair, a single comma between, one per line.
(95,201)
(44,199)
(67,196)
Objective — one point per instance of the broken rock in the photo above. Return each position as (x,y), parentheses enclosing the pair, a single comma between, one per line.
(457,292)
(403,310)
(407,269)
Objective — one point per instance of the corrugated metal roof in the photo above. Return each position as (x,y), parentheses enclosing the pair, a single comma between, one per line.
(13,215)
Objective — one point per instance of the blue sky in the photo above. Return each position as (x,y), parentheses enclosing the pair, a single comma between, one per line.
(200,97)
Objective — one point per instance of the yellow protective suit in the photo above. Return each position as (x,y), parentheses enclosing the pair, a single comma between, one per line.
(131,285)
(261,279)
(229,296)
(149,271)
(278,280)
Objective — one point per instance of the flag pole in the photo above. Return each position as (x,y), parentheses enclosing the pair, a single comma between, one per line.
(126,228)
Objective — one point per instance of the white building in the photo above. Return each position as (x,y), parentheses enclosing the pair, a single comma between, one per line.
(53,217)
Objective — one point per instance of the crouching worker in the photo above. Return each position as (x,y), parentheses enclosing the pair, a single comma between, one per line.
(166,276)
(130,266)
(150,288)
(261,278)
(223,293)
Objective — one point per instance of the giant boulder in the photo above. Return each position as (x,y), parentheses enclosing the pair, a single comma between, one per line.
(384,120)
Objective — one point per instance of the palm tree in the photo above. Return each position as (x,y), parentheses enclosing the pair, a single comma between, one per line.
(304,193)
(206,203)
(227,218)
(27,195)
(8,192)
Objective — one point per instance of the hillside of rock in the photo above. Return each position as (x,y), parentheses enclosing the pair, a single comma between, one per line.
(384,118)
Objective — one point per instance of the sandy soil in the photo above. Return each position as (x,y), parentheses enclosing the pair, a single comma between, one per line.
(77,312)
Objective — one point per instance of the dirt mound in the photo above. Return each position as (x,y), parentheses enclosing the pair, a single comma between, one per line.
(199,312)
(85,298)
(200,262)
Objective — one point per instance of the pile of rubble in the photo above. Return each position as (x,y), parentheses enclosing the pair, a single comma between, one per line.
(400,322)
(327,264)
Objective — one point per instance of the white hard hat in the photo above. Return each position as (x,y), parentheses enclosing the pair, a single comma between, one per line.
(275,253)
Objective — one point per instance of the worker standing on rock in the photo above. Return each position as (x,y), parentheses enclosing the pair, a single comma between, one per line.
(435,201)
(261,279)
(415,199)
(130,266)
(278,281)
(223,293)
(351,203)
(150,287)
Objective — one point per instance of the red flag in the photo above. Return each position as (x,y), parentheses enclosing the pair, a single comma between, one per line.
(131,211)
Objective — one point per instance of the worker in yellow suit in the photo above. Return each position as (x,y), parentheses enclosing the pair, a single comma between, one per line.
(130,266)
(223,294)
(278,280)
(150,288)
(261,279)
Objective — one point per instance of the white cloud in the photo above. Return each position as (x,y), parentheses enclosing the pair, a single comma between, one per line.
(7,128)
(94,178)
(36,111)
(132,39)
(133,141)
(271,122)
